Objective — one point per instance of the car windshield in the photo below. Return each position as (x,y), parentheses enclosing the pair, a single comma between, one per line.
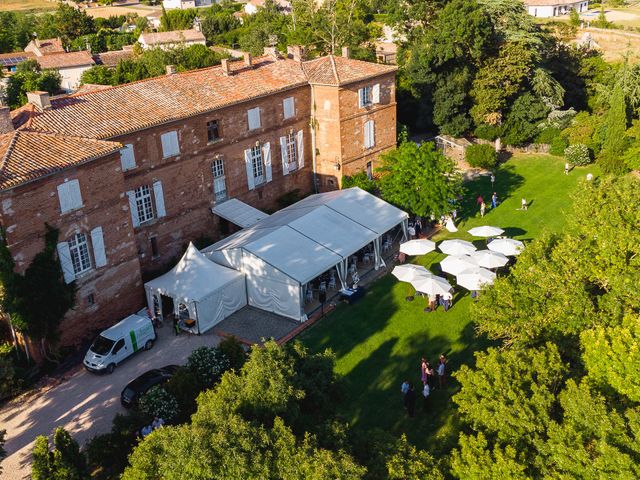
(102,345)
(128,393)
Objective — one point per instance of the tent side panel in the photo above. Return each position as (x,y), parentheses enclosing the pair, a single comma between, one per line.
(269,289)
(222,303)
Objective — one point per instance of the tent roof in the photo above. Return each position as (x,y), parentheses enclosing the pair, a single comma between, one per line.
(239,213)
(194,278)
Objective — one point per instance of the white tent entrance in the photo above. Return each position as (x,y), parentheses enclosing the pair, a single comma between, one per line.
(201,290)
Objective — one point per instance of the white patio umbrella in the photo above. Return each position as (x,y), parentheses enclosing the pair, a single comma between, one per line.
(407,272)
(431,284)
(489,259)
(417,247)
(455,264)
(506,246)
(456,247)
(486,231)
(475,279)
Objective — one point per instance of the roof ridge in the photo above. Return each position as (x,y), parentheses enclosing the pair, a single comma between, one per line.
(7,154)
(334,68)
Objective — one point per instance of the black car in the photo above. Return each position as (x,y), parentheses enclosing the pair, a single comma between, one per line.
(138,387)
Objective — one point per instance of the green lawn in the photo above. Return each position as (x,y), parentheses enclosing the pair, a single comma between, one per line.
(380,340)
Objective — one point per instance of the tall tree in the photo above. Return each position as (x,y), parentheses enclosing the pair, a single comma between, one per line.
(615,143)
(420,179)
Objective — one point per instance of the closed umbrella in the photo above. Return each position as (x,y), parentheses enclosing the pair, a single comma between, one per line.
(455,264)
(489,259)
(475,279)
(486,231)
(431,285)
(417,247)
(506,246)
(406,273)
(457,247)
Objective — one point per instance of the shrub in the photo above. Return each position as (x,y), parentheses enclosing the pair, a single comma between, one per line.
(182,386)
(208,364)
(234,351)
(157,402)
(548,135)
(487,132)
(483,156)
(558,146)
(578,154)
(9,381)
(360,179)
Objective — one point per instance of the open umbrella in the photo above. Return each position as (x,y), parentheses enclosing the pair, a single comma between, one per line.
(475,279)
(407,272)
(430,284)
(486,231)
(455,264)
(417,247)
(506,246)
(456,247)
(489,259)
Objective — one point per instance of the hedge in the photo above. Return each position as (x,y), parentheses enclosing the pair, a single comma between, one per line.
(482,156)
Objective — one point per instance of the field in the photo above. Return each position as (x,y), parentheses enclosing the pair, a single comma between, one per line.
(106,12)
(28,5)
(379,341)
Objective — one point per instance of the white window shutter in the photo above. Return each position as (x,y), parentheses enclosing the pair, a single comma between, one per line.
(254,118)
(300,139)
(159,196)
(64,197)
(74,194)
(97,241)
(289,107)
(285,158)
(372,134)
(247,160)
(170,145)
(135,220)
(127,157)
(360,104)
(367,126)
(64,255)
(375,93)
(266,153)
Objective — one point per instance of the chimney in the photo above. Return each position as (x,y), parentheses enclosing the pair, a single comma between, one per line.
(6,125)
(247,59)
(296,52)
(40,100)
(346,52)
(171,69)
(271,52)
(225,66)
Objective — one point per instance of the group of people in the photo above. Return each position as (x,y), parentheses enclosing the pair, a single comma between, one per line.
(483,206)
(147,429)
(428,377)
(445,300)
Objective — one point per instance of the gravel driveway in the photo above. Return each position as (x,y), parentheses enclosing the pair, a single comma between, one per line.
(86,403)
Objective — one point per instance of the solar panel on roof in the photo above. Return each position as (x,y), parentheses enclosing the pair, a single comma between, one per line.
(12,60)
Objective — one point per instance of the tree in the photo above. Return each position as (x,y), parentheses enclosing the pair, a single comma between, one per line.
(615,143)
(29,78)
(523,119)
(476,460)
(420,179)
(409,463)
(548,89)
(98,75)
(72,23)
(361,180)
(64,462)
(3,452)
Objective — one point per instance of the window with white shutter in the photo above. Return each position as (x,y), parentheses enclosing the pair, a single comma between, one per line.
(79,251)
(364,96)
(300,141)
(170,145)
(290,153)
(64,255)
(288,104)
(369,134)
(248,162)
(69,196)
(266,154)
(375,93)
(159,196)
(257,165)
(127,157)
(144,206)
(97,242)
(133,208)
(219,182)
(254,118)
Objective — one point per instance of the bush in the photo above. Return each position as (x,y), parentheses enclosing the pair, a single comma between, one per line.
(360,179)
(208,364)
(487,132)
(482,156)
(558,146)
(548,135)
(182,387)
(578,154)
(234,351)
(9,382)
(157,402)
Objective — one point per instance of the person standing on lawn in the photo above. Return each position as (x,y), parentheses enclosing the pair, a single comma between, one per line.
(431,376)
(566,168)
(423,371)
(494,200)
(483,207)
(405,387)
(493,179)
(441,370)
(410,400)
(524,204)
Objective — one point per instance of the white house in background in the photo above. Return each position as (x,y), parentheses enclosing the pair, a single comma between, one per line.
(182,4)
(69,65)
(252,6)
(166,40)
(555,8)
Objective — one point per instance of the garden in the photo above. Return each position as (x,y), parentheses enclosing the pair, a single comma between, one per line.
(379,341)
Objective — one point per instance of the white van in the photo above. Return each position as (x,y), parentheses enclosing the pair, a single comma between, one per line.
(119,342)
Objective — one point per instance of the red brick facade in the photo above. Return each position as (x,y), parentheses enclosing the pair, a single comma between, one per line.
(329,117)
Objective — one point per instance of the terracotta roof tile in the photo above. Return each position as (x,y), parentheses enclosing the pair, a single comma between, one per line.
(111,59)
(176,36)
(335,70)
(65,60)
(45,47)
(26,156)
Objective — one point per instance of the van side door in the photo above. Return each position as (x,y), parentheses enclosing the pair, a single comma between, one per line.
(120,351)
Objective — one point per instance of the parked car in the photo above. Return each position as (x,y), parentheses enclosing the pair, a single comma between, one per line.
(118,342)
(138,387)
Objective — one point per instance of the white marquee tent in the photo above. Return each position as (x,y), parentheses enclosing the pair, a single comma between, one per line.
(210,291)
(283,252)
